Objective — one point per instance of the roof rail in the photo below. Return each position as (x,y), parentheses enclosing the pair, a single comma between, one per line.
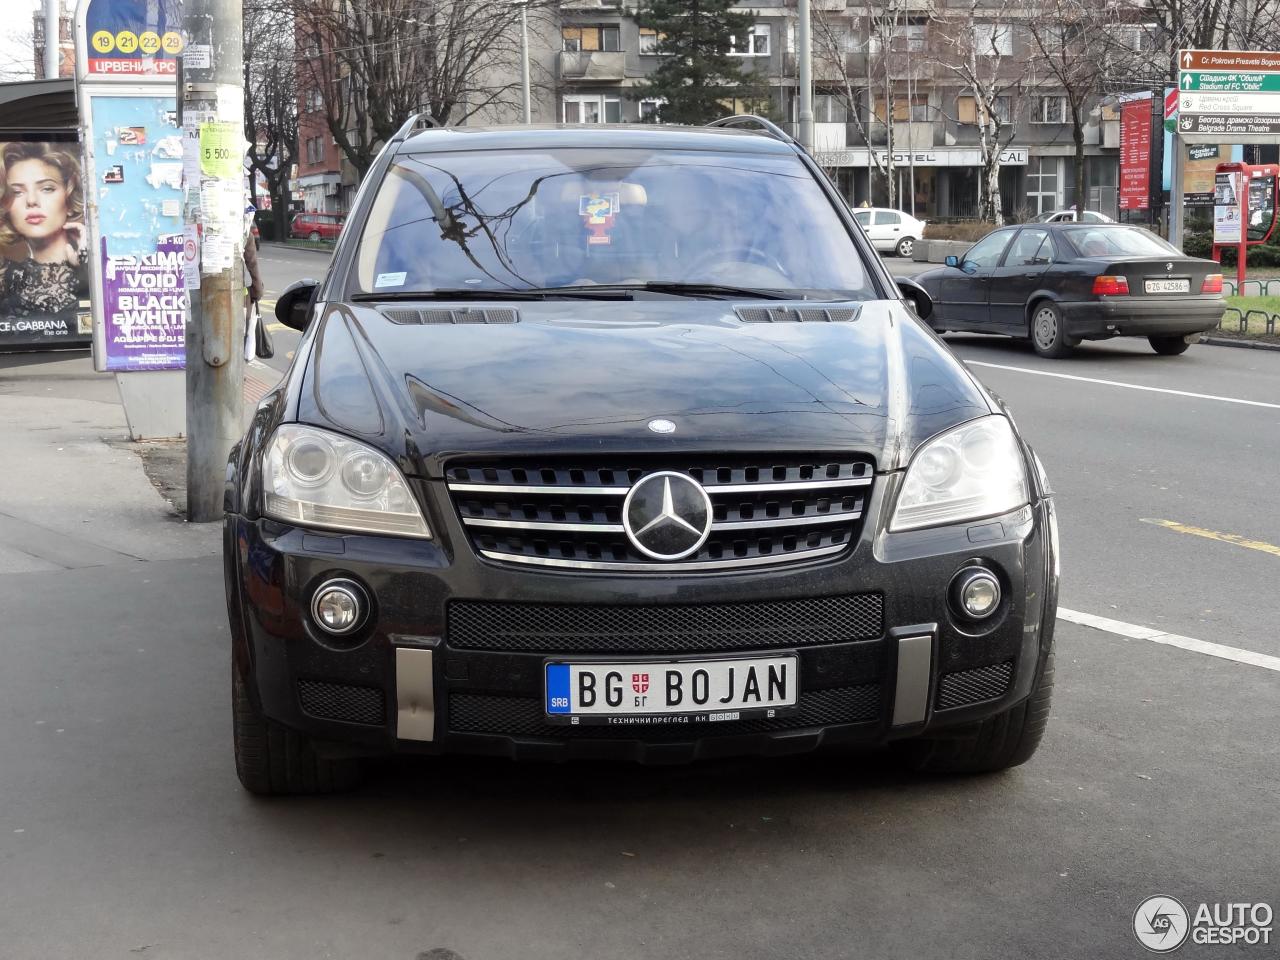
(749,121)
(418,121)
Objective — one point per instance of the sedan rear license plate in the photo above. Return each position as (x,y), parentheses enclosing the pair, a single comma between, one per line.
(1167,286)
(678,691)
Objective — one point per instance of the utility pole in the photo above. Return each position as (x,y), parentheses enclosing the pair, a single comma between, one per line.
(52,38)
(212,104)
(524,61)
(806,77)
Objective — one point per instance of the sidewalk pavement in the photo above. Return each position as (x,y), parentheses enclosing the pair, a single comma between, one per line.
(75,491)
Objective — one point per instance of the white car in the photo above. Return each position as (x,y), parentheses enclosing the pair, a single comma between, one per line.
(1071,216)
(890,230)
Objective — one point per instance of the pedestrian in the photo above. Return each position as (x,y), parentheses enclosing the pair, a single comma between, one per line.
(257,337)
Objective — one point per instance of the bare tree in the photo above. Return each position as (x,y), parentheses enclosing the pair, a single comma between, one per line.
(975,42)
(853,51)
(376,62)
(1065,36)
(270,101)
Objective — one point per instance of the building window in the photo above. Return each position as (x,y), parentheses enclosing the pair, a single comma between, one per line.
(588,39)
(968,110)
(915,110)
(993,39)
(1043,178)
(592,109)
(754,44)
(909,38)
(1052,109)
(649,109)
(315,149)
(648,41)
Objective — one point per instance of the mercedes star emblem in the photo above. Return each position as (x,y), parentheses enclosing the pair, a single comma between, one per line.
(667,515)
(662,426)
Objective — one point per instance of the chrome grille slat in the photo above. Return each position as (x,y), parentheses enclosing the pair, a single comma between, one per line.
(767,509)
(658,567)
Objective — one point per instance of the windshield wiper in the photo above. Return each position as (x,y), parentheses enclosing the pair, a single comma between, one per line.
(714,290)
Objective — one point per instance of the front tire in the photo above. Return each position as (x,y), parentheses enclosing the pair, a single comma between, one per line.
(1049,333)
(997,743)
(272,760)
(1170,346)
(906,246)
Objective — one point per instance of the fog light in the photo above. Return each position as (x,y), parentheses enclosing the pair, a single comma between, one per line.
(338,607)
(975,593)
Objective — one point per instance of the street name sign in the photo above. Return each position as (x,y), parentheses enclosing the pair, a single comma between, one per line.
(1229,95)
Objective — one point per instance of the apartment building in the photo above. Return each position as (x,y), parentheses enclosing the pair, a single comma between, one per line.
(595,57)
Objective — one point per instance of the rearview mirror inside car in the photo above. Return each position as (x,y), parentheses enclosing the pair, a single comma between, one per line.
(293,309)
(952,261)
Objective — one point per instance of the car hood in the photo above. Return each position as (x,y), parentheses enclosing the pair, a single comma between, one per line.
(589,376)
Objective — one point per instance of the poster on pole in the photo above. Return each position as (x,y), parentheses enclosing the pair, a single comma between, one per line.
(1227,206)
(136,164)
(43,246)
(1135,155)
(127,39)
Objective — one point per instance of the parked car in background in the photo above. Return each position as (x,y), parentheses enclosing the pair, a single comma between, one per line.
(1059,283)
(891,231)
(1071,216)
(316,226)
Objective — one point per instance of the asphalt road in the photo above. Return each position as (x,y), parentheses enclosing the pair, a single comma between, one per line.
(123,831)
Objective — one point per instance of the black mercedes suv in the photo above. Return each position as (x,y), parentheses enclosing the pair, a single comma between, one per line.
(622,442)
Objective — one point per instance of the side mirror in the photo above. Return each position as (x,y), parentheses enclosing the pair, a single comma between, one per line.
(952,261)
(917,296)
(293,309)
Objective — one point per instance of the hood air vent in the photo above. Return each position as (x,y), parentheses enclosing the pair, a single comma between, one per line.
(413,315)
(797,314)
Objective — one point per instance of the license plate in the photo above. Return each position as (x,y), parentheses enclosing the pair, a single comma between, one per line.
(679,691)
(1167,286)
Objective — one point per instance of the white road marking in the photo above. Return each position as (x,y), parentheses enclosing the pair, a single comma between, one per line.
(1134,632)
(1129,386)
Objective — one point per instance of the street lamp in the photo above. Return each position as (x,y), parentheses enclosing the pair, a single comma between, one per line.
(524,59)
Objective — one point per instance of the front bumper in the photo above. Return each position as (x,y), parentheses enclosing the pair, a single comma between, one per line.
(1130,317)
(407,682)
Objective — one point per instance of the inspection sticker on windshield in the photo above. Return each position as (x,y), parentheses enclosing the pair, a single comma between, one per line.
(390,280)
(679,691)
(598,212)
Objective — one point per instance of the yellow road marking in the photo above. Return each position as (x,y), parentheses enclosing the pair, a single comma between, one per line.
(1235,538)
(276,326)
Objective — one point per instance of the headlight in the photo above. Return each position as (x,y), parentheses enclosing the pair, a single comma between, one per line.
(972,472)
(319,479)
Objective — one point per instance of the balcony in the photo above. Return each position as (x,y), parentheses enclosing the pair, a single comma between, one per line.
(593,66)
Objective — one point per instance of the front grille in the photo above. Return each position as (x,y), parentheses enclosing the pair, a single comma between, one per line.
(523,717)
(598,628)
(765,511)
(338,701)
(974,686)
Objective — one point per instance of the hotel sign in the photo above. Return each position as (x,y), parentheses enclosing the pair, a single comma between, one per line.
(932,157)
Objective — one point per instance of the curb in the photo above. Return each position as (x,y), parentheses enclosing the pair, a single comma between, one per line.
(1246,344)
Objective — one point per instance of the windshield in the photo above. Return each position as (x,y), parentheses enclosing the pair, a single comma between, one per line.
(1118,242)
(520,220)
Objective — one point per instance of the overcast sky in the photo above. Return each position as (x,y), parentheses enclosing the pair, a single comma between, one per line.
(16,57)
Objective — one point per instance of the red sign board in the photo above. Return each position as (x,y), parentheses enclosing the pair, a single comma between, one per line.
(1135,155)
(1236,61)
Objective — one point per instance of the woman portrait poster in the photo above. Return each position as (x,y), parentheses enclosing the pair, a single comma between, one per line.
(42,241)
